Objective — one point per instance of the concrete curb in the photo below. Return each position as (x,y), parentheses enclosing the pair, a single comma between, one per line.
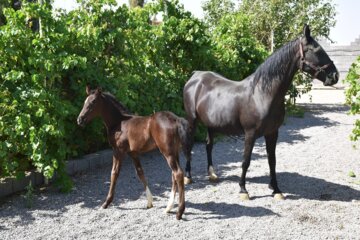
(10,186)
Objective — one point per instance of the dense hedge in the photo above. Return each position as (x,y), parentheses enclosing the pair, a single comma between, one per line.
(353,96)
(43,76)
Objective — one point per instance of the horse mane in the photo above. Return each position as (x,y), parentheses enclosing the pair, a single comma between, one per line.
(274,65)
(118,105)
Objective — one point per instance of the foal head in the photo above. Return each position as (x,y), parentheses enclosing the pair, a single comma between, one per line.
(92,106)
(315,61)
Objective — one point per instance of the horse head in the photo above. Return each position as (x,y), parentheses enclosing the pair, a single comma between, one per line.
(91,106)
(315,61)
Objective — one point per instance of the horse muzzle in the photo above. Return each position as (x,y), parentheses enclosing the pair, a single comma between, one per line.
(331,79)
(81,121)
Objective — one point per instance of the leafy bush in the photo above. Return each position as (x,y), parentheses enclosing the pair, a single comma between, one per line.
(236,49)
(43,76)
(353,96)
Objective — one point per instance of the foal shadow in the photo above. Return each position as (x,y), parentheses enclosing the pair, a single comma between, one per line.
(300,187)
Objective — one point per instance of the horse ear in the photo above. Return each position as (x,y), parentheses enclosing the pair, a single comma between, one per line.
(88,89)
(307,32)
(98,90)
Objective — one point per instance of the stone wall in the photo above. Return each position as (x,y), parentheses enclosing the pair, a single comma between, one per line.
(343,56)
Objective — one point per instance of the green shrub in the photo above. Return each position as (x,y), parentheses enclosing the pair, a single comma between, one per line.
(353,96)
(43,77)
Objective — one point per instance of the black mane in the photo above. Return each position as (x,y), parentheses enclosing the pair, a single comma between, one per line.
(275,65)
(123,110)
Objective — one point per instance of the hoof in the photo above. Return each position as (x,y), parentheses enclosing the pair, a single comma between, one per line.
(213,178)
(104,206)
(149,205)
(187,180)
(244,197)
(178,216)
(279,196)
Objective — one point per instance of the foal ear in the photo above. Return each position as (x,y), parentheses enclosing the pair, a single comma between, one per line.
(98,91)
(88,89)
(307,32)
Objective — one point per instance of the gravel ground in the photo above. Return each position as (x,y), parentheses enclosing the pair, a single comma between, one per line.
(314,158)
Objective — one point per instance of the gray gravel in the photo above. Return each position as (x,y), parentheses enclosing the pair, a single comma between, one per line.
(314,158)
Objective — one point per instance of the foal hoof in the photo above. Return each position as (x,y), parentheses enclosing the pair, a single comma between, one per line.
(104,206)
(187,180)
(149,205)
(279,196)
(244,197)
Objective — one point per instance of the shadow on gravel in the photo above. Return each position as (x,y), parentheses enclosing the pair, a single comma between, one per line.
(213,210)
(297,186)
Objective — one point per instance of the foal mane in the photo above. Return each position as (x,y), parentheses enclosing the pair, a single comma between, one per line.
(118,105)
(274,65)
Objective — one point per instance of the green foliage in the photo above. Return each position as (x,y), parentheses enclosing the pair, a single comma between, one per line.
(215,9)
(237,51)
(285,19)
(43,77)
(353,96)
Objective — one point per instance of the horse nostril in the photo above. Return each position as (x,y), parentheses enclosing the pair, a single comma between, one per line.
(337,76)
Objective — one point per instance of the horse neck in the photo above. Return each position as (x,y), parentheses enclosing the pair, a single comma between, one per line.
(283,70)
(111,115)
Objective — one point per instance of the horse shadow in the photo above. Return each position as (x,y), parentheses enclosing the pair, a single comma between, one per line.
(306,187)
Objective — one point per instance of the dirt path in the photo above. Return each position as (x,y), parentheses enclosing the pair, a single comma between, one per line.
(314,158)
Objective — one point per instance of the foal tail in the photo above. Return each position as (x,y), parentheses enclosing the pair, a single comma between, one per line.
(185,136)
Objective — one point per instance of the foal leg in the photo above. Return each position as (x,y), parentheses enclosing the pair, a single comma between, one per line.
(178,178)
(117,160)
(270,149)
(209,146)
(249,144)
(172,195)
(140,173)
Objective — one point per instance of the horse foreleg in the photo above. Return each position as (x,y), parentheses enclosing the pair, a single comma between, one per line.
(209,146)
(270,149)
(249,145)
(117,160)
(140,173)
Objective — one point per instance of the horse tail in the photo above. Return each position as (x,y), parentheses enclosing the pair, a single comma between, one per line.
(184,132)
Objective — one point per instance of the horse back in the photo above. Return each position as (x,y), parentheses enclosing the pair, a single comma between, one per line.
(217,101)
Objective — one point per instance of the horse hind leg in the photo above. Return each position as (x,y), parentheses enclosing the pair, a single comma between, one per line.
(177,181)
(187,146)
(209,146)
(270,149)
(140,173)
(249,145)
(171,201)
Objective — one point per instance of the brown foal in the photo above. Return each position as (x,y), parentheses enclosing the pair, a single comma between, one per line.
(134,135)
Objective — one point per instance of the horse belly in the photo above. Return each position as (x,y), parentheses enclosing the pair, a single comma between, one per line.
(222,119)
(139,137)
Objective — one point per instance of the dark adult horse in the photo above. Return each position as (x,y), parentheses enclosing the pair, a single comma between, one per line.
(133,135)
(255,106)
